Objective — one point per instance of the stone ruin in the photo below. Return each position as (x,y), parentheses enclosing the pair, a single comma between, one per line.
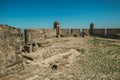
(11,46)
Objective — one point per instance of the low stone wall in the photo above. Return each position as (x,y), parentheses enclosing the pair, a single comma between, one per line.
(99,32)
(107,33)
(10,60)
(113,33)
(86,31)
(64,32)
(75,32)
(37,35)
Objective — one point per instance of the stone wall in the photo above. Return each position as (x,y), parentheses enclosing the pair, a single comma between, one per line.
(107,33)
(113,33)
(75,32)
(37,35)
(98,32)
(64,32)
(10,60)
(86,31)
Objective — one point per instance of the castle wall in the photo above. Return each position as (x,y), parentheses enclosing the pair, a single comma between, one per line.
(64,32)
(37,35)
(98,32)
(113,32)
(50,33)
(75,32)
(108,33)
(10,43)
(86,31)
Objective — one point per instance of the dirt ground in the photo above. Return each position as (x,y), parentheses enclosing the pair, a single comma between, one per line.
(73,58)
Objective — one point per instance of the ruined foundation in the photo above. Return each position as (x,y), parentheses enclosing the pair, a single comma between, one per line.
(12,47)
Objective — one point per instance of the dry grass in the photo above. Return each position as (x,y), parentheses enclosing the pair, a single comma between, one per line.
(101,62)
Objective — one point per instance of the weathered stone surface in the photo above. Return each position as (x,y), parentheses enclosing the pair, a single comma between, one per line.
(86,31)
(28,56)
(37,35)
(75,32)
(64,32)
(9,45)
(113,33)
(98,32)
(28,48)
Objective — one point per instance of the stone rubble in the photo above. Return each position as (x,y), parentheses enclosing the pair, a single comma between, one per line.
(39,67)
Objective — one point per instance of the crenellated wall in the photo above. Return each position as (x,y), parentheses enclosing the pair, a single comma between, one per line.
(75,32)
(37,35)
(107,33)
(86,31)
(113,32)
(64,32)
(98,32)
(10,60)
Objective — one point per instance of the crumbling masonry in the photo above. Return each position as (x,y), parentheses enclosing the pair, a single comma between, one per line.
(10,43)
(11,47)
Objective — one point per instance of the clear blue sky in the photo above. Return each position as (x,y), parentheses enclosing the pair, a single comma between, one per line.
(70,13)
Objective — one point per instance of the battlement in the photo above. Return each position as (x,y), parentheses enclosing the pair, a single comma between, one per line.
(37,35)
(75,32)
